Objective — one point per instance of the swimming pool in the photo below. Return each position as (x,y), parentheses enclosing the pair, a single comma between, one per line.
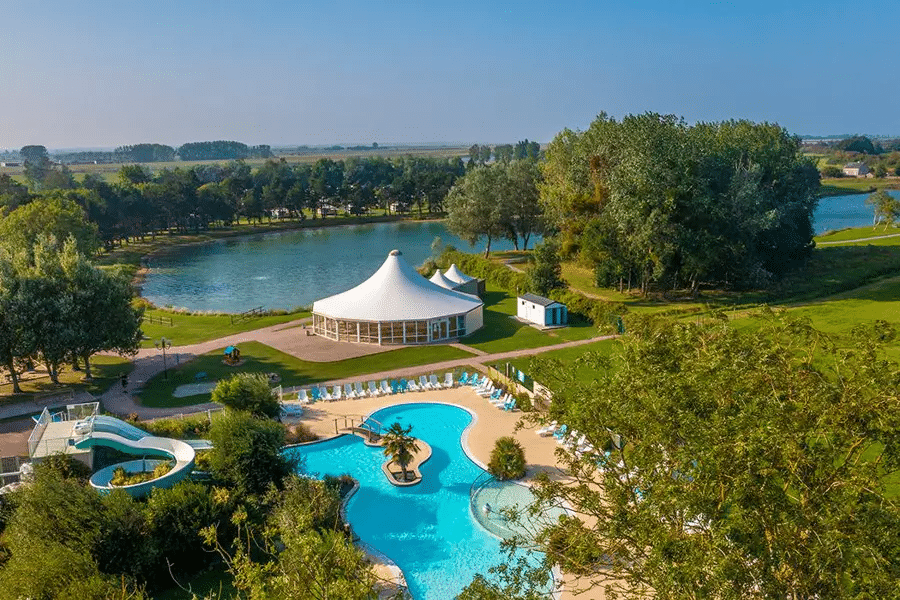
(427,529)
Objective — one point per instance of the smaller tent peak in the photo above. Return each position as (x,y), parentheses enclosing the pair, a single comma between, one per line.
(396,253)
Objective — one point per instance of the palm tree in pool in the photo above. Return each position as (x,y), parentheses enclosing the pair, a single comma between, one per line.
(399,446)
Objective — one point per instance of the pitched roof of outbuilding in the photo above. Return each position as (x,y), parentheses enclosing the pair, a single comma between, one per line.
(538,299)
(395,292)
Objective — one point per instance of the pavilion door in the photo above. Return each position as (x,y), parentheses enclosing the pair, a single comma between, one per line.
(440,330)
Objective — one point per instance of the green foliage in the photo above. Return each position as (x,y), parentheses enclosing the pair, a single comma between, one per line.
(53,215)
(399,446)
(122,477)
(886,207)
(63,466)
(507,459)
(545,274)
(247,452)
(191,427)
(668,203)
(832,171)
(248,392)
(175,517)
(727,447)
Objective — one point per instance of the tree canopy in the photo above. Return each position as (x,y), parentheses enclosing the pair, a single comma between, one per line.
(655,199)
(732,463)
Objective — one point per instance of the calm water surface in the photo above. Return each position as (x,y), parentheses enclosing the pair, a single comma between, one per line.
(295,268)
(287,269)
(840,212)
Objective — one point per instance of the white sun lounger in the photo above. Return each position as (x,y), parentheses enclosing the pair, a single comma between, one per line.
(386,387)
(302,396)
(373,390)
(358,388)
(448,380)
(324,394)
(336,393)
(433,380)
(423,383)
(412,386)
(547,430)
(348,391)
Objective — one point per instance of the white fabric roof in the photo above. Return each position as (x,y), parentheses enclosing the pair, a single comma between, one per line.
(439,279)
(455,275)
(395,292)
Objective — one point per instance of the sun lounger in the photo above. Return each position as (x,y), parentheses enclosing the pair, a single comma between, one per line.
(464,378)
(448,381)
(336,393)
(561,432)
(489,392)
(547,430)
(314,394)
(433,380)
(424,384)
(385,388)
(291,410)
(374,390)
(348,391)
(325,395)
(404,385)
(302,396)
(412,386)
(358,388)
(498,401)
(395,387)
(475,382)
(510,404)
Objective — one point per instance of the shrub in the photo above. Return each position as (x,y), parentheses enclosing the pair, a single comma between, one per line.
(507,459)
(247,392)
(298,434)
(64,466)
(247,452)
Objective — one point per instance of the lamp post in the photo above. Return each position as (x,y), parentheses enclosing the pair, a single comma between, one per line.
(164,344)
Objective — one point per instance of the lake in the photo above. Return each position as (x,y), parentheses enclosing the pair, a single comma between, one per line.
(840,212)
(288,269)
(295,268)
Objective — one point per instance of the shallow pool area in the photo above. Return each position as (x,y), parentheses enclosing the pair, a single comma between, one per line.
(428,530)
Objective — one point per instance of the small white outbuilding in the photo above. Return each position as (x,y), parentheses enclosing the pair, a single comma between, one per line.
(541,311)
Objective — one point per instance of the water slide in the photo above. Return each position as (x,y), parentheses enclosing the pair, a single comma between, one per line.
(108,431)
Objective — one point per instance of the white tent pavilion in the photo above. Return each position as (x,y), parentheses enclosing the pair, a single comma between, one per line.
(462,282)
(455,275)
(396,305)
(439,279)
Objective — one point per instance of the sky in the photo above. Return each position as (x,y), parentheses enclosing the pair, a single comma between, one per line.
(108,73)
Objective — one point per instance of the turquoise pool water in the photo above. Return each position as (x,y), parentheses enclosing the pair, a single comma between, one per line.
(427,529)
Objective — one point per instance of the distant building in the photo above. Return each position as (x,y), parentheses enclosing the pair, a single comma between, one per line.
(10,164)
(541,311)
(856,169)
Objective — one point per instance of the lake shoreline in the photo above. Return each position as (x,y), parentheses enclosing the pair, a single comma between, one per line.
(170,246)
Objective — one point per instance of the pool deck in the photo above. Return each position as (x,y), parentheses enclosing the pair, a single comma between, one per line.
(490,423)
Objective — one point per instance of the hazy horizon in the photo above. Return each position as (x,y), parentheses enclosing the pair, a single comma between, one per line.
(106,74)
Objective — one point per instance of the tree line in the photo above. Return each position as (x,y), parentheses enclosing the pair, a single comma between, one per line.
(652,201)
(142,202)
(56,307)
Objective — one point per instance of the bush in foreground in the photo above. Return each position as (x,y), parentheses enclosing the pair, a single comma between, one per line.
(507,459)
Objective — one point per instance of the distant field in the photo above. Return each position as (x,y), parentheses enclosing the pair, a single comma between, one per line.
(859,233)
(110,170)
(851,185)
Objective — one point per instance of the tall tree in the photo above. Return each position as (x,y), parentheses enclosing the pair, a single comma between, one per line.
(399,446)
(731,463)
(474,207)
(885,207)
(51,215)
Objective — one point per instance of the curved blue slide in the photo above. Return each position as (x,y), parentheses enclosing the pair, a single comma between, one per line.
(115,433)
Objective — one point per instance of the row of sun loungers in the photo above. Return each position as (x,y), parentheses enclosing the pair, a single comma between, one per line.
(484,387)
(372,389)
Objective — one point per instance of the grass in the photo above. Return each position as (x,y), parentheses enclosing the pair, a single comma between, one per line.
(501,332)
(840,186)
(856,233)
(105,369)
(568,358)
(260,358)
(196,328)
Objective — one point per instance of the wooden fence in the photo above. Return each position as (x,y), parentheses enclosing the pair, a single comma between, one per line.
(158,320)
(253,313)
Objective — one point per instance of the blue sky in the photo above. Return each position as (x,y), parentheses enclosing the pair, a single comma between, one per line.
(102,73)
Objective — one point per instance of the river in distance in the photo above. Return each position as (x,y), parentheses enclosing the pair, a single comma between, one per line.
(288,269)
(294,268)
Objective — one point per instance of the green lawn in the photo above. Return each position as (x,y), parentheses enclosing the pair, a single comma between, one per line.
(105,369)
(260,358)
(568,356)
(502,332)
(851,185)
(196,328)
(857,233)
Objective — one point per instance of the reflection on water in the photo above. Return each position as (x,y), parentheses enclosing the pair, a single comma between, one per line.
(289,268)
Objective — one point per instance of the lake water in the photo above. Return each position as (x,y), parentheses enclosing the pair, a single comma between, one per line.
(840,212)
(288,269)
(295,268)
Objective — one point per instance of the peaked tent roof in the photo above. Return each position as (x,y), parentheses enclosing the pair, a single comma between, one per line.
(395,292)
(455,275)
(439,279)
